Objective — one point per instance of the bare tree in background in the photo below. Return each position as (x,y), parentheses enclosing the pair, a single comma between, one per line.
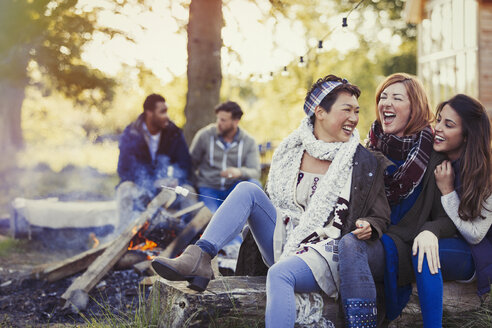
(204,64)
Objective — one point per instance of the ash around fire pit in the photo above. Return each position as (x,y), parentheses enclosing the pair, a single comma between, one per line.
(36,303)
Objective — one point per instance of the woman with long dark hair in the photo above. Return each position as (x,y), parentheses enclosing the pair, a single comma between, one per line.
(462,132)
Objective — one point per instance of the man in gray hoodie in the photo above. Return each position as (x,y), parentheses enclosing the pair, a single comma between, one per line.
(223,155)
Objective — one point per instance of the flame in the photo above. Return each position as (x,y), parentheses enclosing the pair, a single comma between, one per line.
(146,244)
(93,240)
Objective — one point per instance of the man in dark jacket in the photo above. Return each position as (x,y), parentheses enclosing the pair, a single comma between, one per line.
(153,152)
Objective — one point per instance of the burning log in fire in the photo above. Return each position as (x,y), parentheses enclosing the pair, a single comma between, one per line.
(105,261)
(139,242)
(156,234)
(154,228)
(147,245)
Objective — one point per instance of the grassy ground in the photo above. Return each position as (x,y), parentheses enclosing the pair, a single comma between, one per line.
(482,318)
(21,254)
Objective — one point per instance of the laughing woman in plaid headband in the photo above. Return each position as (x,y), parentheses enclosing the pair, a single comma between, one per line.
(322,185)
(402,133)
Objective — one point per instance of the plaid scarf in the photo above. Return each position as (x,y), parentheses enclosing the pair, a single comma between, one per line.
(415,150)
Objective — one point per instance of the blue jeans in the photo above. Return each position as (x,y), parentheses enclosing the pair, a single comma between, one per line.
(213,204)
(361,264)
(456,264)
(248,203)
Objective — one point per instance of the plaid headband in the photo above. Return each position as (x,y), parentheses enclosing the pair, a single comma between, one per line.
(318,94)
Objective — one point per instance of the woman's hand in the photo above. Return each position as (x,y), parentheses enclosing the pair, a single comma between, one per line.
(426,243)
(363,230)
(445,177)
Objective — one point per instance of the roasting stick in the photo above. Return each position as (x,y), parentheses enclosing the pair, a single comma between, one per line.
(185,192)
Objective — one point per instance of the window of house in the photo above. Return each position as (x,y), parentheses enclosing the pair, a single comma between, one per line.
(448,49)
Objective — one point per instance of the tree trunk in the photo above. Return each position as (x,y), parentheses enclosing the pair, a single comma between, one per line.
(12,95)
(204,66)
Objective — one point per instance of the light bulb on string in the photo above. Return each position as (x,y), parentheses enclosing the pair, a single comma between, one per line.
(320,48)
(285,72)
(302,63)
(345,28)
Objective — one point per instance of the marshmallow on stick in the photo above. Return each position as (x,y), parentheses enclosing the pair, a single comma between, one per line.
(181,191)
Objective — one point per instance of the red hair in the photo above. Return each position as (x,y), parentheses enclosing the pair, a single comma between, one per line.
(420,112)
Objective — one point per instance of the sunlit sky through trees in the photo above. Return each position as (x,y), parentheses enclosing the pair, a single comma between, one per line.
(256,43)
(263,45)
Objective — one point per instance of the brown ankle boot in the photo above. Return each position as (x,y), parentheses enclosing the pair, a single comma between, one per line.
(194,265)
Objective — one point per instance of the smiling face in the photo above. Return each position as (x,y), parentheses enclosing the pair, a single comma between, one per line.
(394,109)
(338,124)
(448,137)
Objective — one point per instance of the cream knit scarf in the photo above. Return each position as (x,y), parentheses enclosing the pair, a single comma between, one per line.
(282,179)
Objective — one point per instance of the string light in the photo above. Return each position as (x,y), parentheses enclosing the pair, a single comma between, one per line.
(302,63)
(285,72)
(319,48)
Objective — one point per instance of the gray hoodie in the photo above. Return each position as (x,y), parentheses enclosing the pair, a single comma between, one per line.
(210,156)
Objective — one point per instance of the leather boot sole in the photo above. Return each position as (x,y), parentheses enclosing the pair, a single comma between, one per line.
(167,272)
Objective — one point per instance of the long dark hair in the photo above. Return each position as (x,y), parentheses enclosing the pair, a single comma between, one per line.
(475,166)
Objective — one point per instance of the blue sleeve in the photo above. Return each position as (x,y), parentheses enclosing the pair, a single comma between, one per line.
(127,161)
(182,156)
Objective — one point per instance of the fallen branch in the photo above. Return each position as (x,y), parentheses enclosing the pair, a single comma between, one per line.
(59,270)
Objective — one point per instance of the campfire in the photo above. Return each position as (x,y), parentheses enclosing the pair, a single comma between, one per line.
(59,291)
(139,242)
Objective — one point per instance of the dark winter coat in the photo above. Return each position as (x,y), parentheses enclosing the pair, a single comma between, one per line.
(367,195)
(135,161)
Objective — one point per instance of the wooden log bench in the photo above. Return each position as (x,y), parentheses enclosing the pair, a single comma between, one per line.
(239,299)
(243,298)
